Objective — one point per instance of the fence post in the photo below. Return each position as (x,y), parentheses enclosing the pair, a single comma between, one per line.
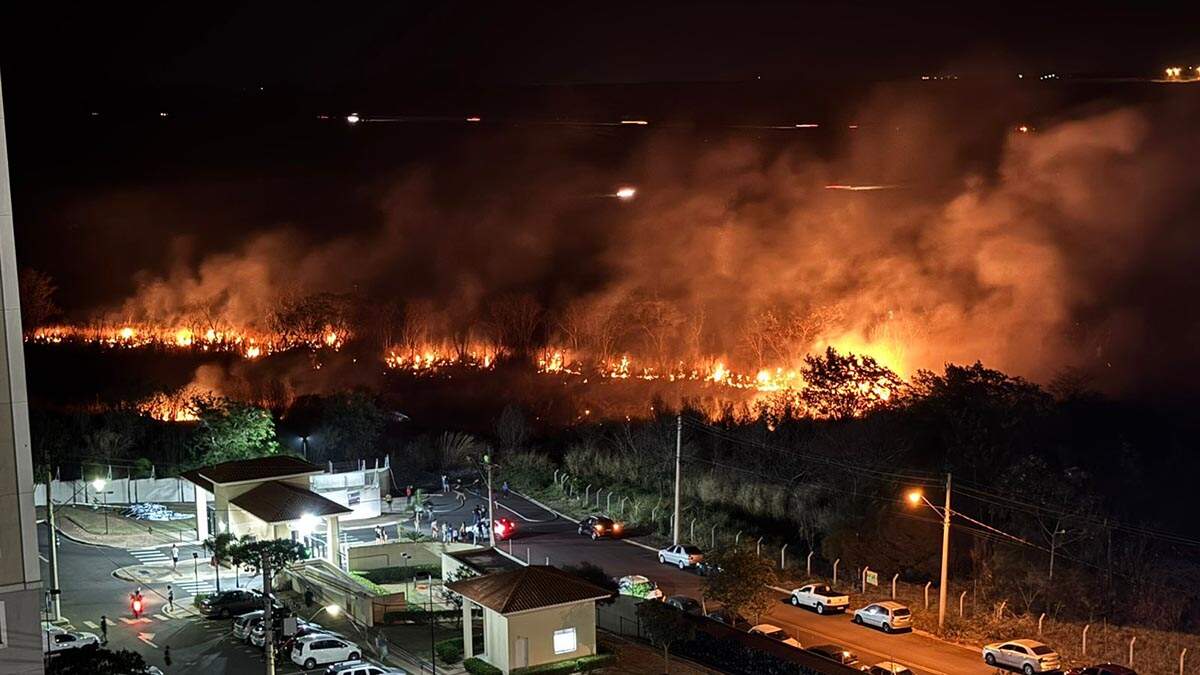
(608,503)
(714,537)
(758,548)
(1181,655)
(1131,641)
(835,566)
(738,539)
(783,557)
(865,569)
(999,614)
(961,599)
(556,476)
(1040,620)
(808,564)
(623,500)
(587,493)
(1085,630)
(692,537)
(927,594)
(894,578)
(654,516)
(636,509)
(528,553)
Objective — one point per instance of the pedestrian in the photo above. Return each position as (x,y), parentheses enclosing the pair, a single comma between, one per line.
(174,557)
(408,496)
(433,528)
(504,489)
(388,500)
(383,533)
(308,597)
(461,498)
(445,484)
(167,655)
(170,598)
(103,629)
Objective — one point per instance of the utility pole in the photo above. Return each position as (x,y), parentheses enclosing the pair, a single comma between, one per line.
(268,621)
(487,460)
(55,593)
(1053,544)
(945,556)
(678,455)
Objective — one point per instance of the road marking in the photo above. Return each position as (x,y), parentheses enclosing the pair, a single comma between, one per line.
(148,639)
(91,625)
(160,617)
(130,622)
(43,558)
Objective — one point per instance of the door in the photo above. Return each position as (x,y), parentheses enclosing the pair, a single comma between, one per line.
(521,657)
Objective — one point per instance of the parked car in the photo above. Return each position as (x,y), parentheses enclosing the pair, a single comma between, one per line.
(887,615)
(62,640)
(230,603)
(244,623)
(775,633)
(1028,656)
(639,586)
(681,556)
(1101,669)
(706,569)
(286,644)
(318,650)
(600,526)
(362,668)
(504,528)
(821,598)
(729,618)
(685,604)
(887,668)
(836,653)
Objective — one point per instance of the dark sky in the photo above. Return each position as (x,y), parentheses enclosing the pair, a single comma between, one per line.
(93,50)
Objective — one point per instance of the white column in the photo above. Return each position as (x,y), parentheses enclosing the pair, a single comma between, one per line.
(468,630)
(201,514)
(332,539)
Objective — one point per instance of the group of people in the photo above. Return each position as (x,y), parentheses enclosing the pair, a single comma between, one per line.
(447,533)
(381,535)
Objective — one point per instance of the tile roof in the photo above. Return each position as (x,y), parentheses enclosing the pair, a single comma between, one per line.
(276,502)
(260,468)
(531,587)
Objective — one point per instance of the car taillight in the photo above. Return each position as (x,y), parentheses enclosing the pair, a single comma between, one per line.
(617,527)
(599,527)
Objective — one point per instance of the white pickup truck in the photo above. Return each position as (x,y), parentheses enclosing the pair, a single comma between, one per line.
(820,597)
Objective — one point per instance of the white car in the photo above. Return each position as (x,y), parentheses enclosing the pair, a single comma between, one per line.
(775,633)
(887,668)
(243,624)
(639,586)
(821,598)
(887,615)
(311,651)
(680,556)
(1028,656)
(62,640)
(362,668)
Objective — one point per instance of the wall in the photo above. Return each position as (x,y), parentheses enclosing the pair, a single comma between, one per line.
(539,626)
(495,640)
(374,556)
(118,491)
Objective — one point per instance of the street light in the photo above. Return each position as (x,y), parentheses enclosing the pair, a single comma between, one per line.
(304,447)
(625,193)
(98,486)
(915,497)
(353,118)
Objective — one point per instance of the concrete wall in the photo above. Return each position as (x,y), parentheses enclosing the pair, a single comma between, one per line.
(374,556)
(359,491)
(20,573)
(495,641)
(539,626)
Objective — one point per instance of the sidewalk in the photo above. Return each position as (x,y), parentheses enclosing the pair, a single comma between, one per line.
(89,526)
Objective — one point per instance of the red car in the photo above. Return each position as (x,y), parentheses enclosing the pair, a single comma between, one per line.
(504,528)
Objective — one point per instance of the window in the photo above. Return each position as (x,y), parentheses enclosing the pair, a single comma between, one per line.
(564,641)
(353,498)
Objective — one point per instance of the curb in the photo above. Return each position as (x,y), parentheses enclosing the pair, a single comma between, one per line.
(558,513)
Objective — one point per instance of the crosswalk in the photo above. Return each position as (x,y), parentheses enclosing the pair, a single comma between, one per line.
(150,556)
(195,587)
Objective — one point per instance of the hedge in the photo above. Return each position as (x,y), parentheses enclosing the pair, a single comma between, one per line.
(580,665)
(475,666)
(395,575)
(449,651)
(198,597)
(371,586)
(422,616)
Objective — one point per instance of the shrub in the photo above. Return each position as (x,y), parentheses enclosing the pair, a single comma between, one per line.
(475,666)
(198,597)
(580,665)
(395,575)
(372,587)
(528,470)
(449,651)
(418,615)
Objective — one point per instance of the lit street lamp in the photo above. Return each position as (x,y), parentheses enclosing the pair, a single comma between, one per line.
(98,486)
(915,497)
(304,447)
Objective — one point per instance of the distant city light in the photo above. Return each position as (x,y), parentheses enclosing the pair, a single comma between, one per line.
(626,193)
(162,114)
(807,125)
(353,118)
(1024,128)
(474,119)
(638,122)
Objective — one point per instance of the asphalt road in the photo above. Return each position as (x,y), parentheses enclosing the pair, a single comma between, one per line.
(542,535)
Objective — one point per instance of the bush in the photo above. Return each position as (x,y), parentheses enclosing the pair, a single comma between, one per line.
(366,583)
(529,470)
(395,575)
(580,665)
(418,615)
(198,597)
(449,651)
(475,666)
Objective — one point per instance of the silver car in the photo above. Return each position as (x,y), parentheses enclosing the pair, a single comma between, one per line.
(1028,656)
(887,615)
(681,556)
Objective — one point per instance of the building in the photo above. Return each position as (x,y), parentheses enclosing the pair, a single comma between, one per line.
(266,498)
(20,573)
(531,616)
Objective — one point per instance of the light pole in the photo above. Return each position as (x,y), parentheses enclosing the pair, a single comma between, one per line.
(55,593)
(678,470)
(487,460)
(304,447)
(915,498)
(1053,545)
(98,485)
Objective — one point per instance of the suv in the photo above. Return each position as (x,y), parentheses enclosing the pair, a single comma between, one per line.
(599,526)
(318,650)
(230,603)
(887,615)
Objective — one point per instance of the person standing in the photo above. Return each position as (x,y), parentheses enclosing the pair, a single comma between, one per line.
(170,598)
(388,500)
(408,496)
(103,629)
(445,484)
(504,489)
(174,557)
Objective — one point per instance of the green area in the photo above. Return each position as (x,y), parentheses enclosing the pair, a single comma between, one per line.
(371,586)
(582,664)
(396,575)
(476,666)
(449,651)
